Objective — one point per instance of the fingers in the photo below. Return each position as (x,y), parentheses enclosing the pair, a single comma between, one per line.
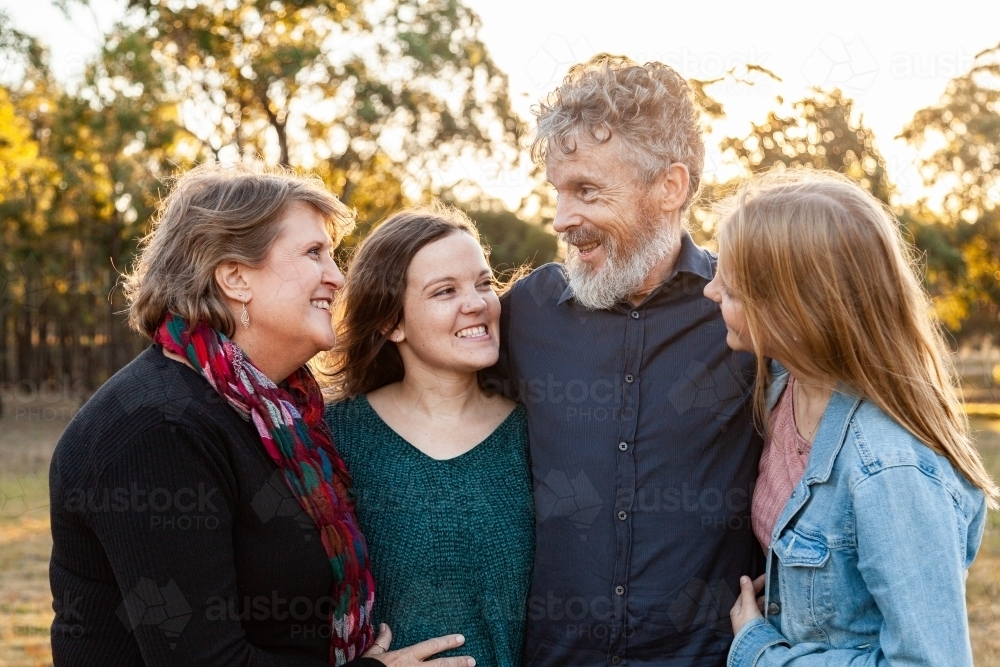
(758,584)
(426,649)
(461,661)
(748,596)
(760,604)
(381,644)
(384,638)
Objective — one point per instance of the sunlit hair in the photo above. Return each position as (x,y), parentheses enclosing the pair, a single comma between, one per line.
(211,216)
(371,305)
(650,109)
(828,284)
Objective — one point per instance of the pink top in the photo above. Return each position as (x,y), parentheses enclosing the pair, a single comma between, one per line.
(782,464)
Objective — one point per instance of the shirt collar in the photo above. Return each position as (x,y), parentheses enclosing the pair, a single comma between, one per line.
(691,259)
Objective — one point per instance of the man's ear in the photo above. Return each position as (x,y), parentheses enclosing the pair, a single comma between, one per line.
(673,187)
(230,278)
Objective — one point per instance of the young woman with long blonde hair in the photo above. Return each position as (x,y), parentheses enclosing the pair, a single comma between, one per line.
(871,499)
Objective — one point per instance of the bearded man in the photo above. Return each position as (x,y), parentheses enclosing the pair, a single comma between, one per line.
(643,448)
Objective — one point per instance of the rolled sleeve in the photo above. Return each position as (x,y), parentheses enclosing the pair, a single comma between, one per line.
(752,641)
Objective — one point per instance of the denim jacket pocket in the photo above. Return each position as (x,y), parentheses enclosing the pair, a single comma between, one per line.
(797,550)
(804,585)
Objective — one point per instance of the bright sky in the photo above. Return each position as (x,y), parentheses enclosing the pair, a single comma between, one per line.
(892,59)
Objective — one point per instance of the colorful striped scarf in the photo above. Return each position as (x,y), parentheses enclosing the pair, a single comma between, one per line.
(289,420)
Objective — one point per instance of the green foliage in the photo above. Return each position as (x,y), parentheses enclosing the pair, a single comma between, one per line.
(820,133)
(376,97)
(513,241)
(962,241)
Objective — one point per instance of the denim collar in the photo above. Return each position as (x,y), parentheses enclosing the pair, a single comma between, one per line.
(831,435)
(829,440)
(690,259)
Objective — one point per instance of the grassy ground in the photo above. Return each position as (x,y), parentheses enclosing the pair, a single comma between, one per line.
(983,588)
(28,433)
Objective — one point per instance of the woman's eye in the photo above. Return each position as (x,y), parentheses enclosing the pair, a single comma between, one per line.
(445,291)
(315,251)
(486,284)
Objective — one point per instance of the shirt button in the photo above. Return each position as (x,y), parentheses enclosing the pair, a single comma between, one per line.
(623,446)
(619,590)
(630,378)
(615,660)
(773,609)
(635,314)
(622,516)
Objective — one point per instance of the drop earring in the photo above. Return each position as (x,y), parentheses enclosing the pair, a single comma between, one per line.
(245,315)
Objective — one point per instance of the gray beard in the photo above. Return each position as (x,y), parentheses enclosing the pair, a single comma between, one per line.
(621,276)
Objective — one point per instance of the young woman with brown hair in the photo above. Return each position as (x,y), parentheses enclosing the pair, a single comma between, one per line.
(440,466)
(871,499)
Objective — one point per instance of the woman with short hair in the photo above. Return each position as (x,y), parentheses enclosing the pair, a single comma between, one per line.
(201,514)
(440,466)
(871,498)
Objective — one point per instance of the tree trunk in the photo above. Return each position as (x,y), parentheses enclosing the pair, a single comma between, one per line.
(277,124)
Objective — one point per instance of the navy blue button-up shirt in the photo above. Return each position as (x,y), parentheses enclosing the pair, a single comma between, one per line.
(644,458)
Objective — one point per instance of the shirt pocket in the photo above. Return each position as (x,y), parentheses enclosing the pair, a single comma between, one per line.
(804,584)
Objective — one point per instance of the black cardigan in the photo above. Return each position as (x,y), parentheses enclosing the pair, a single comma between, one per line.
(175,539)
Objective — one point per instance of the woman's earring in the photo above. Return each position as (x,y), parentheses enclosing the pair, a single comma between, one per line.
(245,316)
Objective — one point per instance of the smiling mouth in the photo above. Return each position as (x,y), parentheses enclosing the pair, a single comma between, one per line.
(472,332)
(586,248)
(322,304)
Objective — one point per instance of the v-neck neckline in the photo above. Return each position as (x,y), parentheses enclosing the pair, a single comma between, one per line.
(421,453)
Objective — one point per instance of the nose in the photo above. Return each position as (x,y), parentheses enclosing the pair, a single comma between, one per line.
(473,303)
(565,217)
(332,276)
(712,290)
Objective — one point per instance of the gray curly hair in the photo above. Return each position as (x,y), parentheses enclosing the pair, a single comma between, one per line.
(650,107)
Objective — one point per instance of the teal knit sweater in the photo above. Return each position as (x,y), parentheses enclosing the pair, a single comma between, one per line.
(451,541)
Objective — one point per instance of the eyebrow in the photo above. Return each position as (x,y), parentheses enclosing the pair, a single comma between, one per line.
(579,177)
(445,279)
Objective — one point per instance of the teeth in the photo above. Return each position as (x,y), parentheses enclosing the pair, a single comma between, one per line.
(320,303)
(588,247)
(472,331)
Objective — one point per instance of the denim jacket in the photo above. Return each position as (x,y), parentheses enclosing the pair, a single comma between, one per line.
(868,559)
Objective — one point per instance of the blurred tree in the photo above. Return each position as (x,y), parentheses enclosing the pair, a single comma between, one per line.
(821,133)
(375,94)
(513,242)
(960,229)
(377,97)
(105,149)
(26,193)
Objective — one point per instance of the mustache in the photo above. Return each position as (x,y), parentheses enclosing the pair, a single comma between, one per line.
(578,237)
